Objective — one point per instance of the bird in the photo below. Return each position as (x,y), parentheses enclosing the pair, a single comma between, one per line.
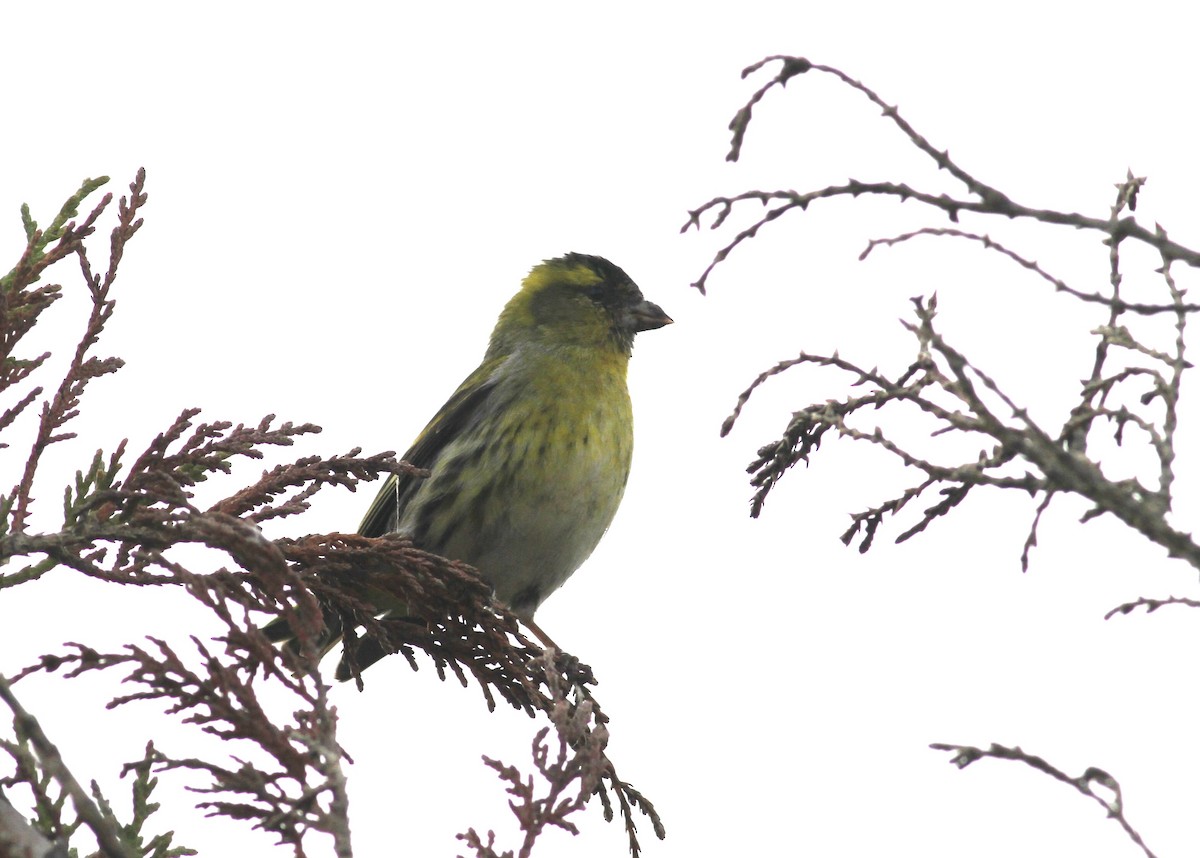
(528,459)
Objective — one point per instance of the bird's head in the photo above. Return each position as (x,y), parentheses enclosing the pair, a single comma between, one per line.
(576,300)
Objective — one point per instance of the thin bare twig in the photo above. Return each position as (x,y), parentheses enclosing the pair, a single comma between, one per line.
(1086,783)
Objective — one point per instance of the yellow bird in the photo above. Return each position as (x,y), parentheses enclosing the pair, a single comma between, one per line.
(528,459)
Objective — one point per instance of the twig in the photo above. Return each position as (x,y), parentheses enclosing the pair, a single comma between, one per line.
(964,755)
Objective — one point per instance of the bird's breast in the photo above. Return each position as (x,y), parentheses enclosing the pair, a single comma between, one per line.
(526,493)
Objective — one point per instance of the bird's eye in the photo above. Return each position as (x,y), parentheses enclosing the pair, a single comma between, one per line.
(599,293)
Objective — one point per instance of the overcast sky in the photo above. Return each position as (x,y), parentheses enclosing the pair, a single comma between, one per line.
(343,197)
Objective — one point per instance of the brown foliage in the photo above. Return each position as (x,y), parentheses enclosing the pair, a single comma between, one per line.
(123,524)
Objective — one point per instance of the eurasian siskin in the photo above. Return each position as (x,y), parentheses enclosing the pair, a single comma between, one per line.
(529,457)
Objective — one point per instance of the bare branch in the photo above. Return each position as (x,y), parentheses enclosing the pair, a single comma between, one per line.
(982,197)
(956,393)
(991,244)
(1110,798)
(1151,605)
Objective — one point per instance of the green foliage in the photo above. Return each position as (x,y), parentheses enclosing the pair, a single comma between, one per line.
(39,241)
(144,784)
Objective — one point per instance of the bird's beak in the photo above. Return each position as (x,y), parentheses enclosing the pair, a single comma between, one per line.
(645,316)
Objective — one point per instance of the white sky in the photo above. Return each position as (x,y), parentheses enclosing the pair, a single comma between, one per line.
(342,200)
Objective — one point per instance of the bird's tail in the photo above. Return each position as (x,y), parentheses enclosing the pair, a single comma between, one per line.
(279,631)
(367,650)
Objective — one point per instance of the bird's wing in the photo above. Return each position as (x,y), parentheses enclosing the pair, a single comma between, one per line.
(458,412)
